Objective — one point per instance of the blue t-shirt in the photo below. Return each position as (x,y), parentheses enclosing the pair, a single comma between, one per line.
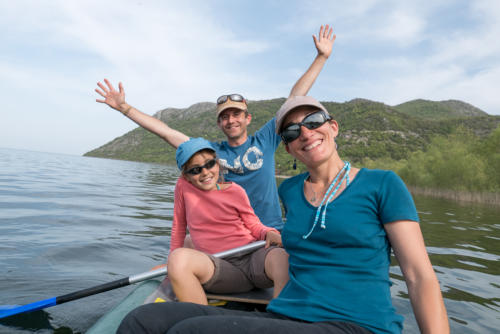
(342,272)
(251,165)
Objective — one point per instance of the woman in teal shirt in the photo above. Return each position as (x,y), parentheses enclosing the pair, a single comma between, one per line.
(342,223)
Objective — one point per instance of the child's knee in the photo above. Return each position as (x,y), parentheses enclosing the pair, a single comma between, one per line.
(276,264)
(178,262)
(277,257)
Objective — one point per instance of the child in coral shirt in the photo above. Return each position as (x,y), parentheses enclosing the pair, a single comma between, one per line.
(219,217)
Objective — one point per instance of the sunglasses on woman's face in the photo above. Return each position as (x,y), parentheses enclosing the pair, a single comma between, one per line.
(233,97)
(197,170)
(312,121)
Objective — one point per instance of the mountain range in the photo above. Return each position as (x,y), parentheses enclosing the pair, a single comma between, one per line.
(368,129)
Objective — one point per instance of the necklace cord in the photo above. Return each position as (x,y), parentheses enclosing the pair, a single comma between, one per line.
(346,168)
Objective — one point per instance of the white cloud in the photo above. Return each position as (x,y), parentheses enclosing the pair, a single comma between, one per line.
(173,54)
(170,47)
(480,90)
(402,28)
(434,59)
(166,55)
(407,80)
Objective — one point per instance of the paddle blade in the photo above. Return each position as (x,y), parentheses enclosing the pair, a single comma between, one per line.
(8,310)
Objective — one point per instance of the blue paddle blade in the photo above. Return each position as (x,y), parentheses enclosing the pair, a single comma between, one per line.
(8,310)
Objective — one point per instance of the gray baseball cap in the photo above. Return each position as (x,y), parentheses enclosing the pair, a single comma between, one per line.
(294,102)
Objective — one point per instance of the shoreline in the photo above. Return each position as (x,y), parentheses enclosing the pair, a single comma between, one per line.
(458,196)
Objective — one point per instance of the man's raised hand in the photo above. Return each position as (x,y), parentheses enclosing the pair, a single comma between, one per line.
(113,98)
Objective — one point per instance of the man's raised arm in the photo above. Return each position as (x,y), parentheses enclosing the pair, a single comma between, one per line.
(116,100)
(324,44)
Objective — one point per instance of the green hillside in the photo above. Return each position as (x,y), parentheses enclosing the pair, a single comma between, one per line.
(369,130)
(439,110)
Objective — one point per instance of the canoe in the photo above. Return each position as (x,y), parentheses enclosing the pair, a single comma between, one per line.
(155,291)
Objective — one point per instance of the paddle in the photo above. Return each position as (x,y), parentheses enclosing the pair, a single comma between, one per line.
(9,310)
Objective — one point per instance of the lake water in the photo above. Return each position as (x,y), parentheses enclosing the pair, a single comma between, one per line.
(70,222)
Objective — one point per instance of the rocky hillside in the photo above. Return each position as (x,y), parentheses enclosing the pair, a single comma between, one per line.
(368,129)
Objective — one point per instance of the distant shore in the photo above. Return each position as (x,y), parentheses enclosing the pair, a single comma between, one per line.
(459,196)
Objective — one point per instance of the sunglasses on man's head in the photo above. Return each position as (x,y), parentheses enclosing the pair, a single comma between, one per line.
(197,170)
(233,97)
(312,121)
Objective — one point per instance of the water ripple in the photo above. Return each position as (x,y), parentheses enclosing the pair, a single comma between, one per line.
(68,223)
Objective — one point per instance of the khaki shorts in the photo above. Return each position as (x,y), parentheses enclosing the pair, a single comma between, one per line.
(239,273)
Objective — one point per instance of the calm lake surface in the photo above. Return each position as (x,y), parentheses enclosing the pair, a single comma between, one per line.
(69,223)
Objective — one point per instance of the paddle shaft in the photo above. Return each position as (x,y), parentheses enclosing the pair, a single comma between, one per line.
(115,284)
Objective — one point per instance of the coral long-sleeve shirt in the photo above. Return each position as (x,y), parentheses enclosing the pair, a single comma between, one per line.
(218,220)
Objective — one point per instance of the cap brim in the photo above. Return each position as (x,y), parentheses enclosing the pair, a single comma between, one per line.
(230,104)
(293,103)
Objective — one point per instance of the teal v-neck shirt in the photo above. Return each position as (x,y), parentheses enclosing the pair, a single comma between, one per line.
(342,272)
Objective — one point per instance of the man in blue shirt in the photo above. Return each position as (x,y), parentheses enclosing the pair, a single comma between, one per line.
(247,159)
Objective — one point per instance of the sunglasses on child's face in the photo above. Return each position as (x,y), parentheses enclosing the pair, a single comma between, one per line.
(312,121)
(233,97)
(197,170)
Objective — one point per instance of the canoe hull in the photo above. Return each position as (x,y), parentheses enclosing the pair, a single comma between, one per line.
(154,291)
(110,321)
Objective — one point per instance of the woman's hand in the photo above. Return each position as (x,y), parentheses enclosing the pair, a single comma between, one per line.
(273,238)
(324,41)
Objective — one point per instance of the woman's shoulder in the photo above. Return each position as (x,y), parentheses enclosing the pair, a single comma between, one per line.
(376,173)
(379,177)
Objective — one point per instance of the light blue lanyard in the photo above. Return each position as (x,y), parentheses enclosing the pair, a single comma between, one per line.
(346,168)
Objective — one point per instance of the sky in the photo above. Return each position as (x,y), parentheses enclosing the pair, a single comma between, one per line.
(177,53)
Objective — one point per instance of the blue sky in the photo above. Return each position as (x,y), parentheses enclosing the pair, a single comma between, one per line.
(174,54)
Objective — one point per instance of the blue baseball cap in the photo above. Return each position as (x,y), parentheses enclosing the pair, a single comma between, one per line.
(187,149)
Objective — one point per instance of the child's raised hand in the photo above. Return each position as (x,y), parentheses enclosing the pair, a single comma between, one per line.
(273,238)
